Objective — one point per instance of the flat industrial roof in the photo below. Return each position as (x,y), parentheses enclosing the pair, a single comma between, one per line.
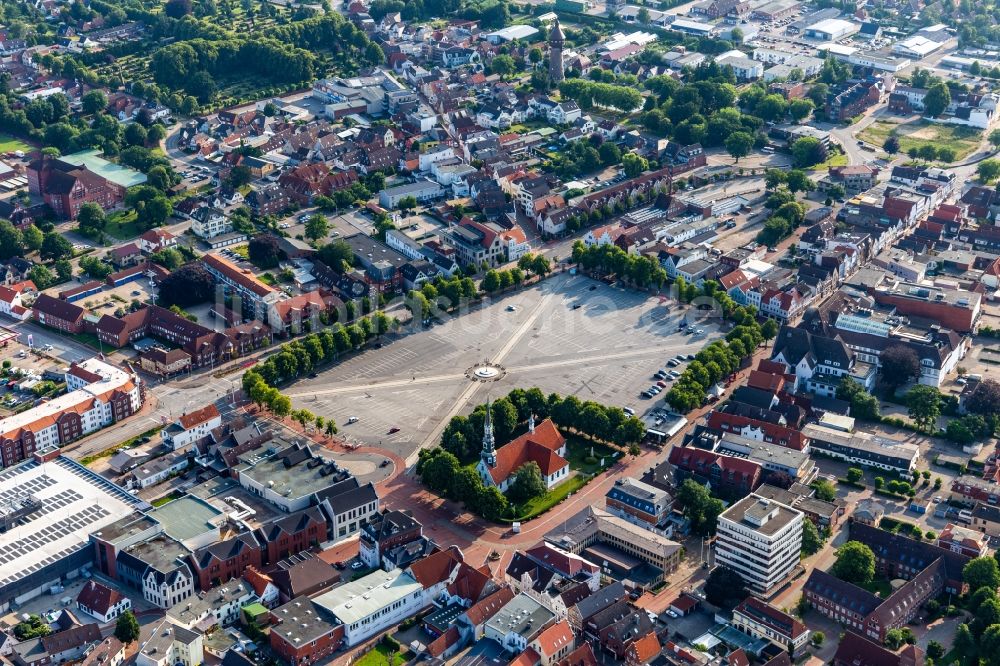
(117,174)
(186,517)
(358,599)
(74,503)
(514,32)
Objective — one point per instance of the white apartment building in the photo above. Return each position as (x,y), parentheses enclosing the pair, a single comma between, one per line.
(373,603)
(98,394)
(210,222)
(191,427)
(171,645)
(761,540)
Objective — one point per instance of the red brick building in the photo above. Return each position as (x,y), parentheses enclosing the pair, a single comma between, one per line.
(58,314)
(66,187)
(225,560)
(734,477)
(292,534)
(299,642)
(761,431)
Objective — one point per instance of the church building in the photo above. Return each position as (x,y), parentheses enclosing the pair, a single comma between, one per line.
(543,445)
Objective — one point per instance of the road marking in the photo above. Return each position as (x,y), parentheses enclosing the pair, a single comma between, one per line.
(467,394)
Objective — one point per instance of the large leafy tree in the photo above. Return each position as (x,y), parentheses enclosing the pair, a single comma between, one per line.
(924,406)
(855,563)
(937,99)
(527,484)
(982,572)
(700,508)
(899,364)
(725,587)
(264,251)
(738,144)
(127,628)
(188,285)
(812,541)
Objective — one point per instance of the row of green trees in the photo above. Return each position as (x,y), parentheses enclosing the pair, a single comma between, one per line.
(443,293)
(591,93)
(719,359)
(265,396)
(638,270)
(300,357)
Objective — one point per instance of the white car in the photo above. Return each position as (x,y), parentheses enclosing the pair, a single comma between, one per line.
(629,411)
(352,419)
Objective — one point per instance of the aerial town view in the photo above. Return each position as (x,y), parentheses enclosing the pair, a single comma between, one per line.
(499,332)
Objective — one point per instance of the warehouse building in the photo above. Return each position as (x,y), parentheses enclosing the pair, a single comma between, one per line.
(54,504)
(832,30)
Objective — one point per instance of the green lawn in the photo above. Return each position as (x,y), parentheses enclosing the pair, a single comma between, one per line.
(9,144)
(578,450)
(379,656)
(835,159)
(170,497)
(541,504)
(879,586)
(962,140)
(123,225)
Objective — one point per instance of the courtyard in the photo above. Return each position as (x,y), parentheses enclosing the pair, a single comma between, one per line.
(570,335)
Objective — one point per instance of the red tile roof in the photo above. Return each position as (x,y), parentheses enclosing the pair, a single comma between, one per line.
(581,656)
(469,582)
(738,658)
(257,580)
(439,645)
(778,621)
(97,597)
(773,433)
(481,612)
(766,381)
(234,273)
(733,279)
(554,638)
(694,459)
(436,567)
(565,563)
(643,650)
(198,417)
(527,658)
(684,603)
(539,446)
(859,651)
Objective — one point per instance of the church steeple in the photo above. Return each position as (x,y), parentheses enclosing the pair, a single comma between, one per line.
(489,453)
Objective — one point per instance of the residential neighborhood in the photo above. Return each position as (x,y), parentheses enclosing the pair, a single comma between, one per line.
(499,332)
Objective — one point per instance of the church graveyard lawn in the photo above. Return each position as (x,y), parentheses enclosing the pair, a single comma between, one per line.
(539,505)
(578,450)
